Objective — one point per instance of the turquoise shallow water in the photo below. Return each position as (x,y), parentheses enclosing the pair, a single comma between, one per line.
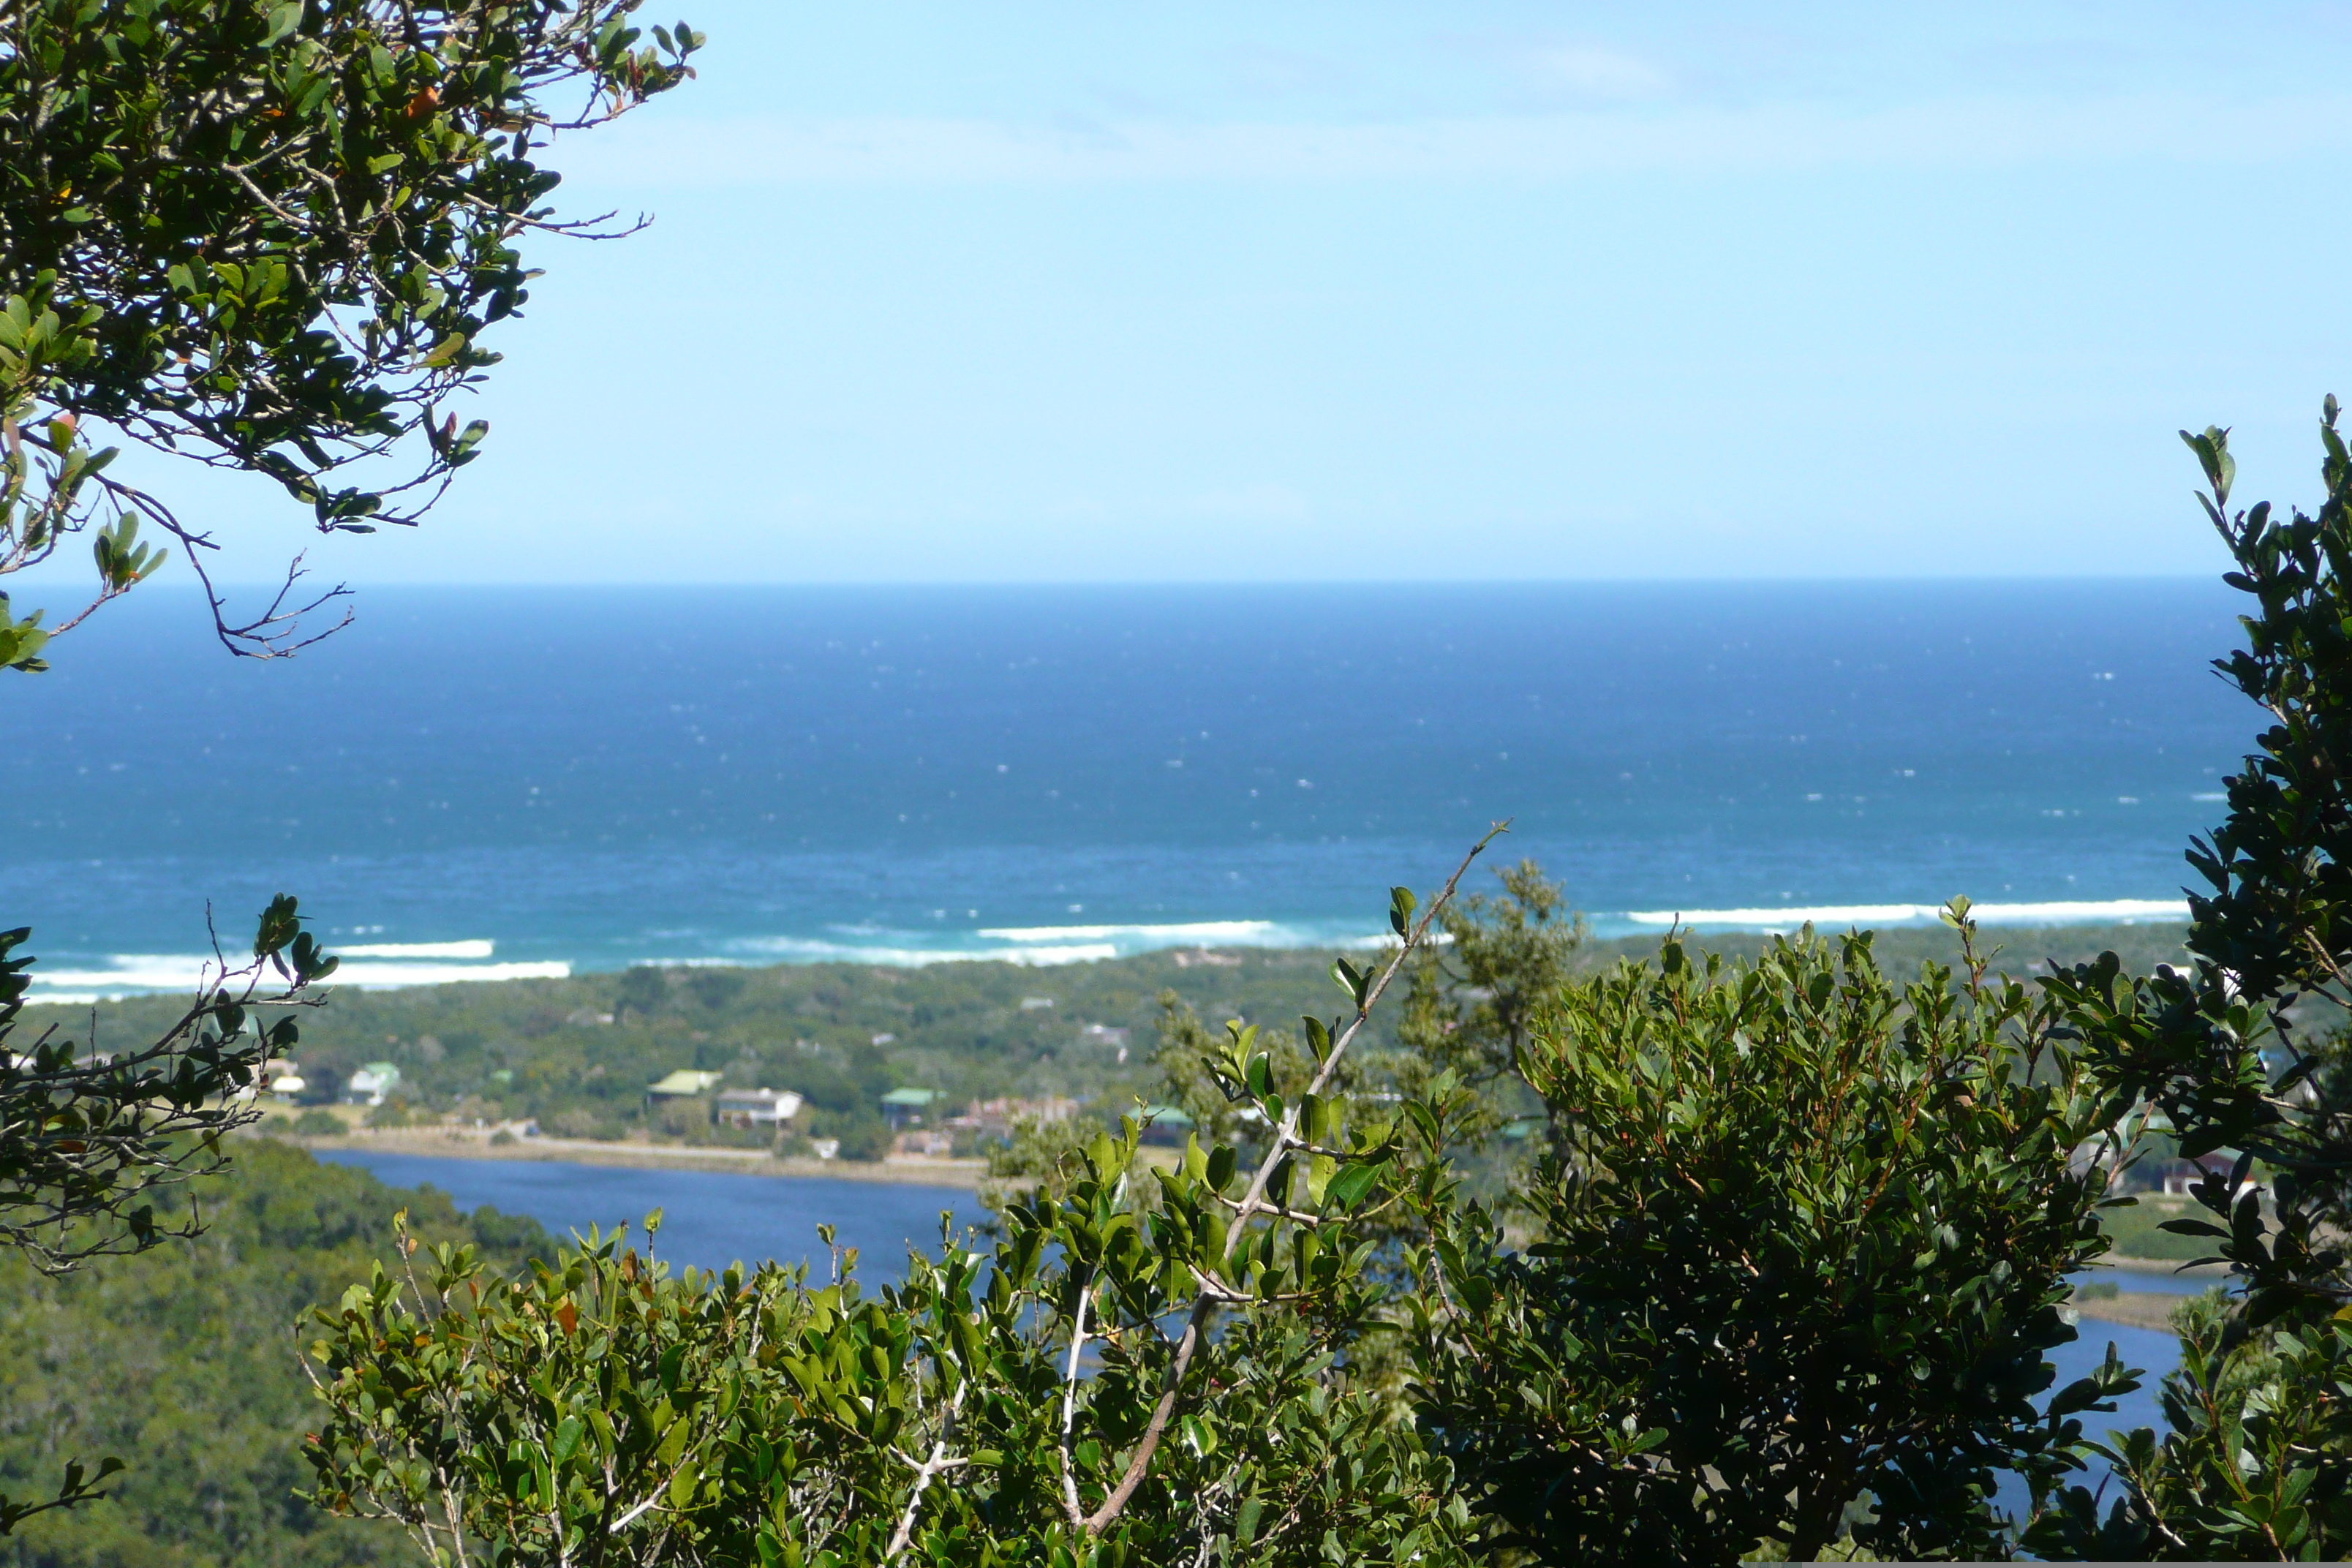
(584,778)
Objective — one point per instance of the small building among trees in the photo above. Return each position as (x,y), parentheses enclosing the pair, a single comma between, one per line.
(905,1108)
(372,1083)
(753,1109)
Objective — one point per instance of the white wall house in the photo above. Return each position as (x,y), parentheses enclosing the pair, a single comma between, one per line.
(371,1084)
(756,1107)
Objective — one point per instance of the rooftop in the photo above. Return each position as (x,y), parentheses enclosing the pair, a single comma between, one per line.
(684,1082)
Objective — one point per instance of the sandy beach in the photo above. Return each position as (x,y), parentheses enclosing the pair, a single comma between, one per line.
(2134,1309)
(2207,1273)
(466,1143)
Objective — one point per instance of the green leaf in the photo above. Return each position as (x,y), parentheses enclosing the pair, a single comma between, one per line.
(1402,904)
(283,21)
(1348,1188)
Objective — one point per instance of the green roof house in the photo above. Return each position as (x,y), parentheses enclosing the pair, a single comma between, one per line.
(904,1108)
(685,1083)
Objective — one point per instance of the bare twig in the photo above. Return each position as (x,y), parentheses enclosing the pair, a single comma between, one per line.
(935,1465)
(1286,1140)
(1070,1403)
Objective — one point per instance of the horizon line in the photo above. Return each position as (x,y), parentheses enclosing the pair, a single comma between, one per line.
(739,585)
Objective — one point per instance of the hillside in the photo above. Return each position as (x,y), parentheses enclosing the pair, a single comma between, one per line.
(182,1361)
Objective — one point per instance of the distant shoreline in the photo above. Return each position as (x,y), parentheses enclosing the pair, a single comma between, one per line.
(2216,1272)
(466,1144)
(2133,1309)
(1905,935)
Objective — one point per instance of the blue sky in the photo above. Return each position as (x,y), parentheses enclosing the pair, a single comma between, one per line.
(1107,292)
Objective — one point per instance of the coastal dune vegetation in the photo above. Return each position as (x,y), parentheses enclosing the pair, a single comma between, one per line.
(576,1056)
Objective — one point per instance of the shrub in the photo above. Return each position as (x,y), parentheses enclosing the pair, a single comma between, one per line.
(864,1135)
(684,1117)
(582,1122)
(1147,1367)
(1798,1245)
(319,1124)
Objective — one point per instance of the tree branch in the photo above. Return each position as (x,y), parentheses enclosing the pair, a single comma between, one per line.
(1285,1139)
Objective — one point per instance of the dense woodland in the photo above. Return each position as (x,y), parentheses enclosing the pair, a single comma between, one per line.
(183,1357)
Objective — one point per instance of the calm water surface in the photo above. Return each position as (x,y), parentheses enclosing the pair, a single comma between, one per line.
(709,1218)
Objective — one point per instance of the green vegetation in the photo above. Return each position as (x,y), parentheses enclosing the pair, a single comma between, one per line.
(272,237)
(763,1421)
(2138,1230)
(526,1049)
(2242,1048)
(264,236)
(183,1361)
(1795,1257)
(1240,1312)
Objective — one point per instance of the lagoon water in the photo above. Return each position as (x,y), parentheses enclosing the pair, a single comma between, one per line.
(487,782)
(710,1219)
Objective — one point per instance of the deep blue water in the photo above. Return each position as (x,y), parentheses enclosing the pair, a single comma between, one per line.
(590,777)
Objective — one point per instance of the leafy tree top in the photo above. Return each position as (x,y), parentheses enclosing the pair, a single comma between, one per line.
(271,234)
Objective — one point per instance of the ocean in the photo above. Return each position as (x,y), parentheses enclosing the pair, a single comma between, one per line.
(478,782)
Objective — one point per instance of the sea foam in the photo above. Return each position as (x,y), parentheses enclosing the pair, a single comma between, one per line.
(2106,912)
(382,967)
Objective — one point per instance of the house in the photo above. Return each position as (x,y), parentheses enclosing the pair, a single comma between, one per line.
(371,1084)
(686,1083)
(994,1118)
(905,1108)
(751,1109)
(1164,1126)
(286,1082)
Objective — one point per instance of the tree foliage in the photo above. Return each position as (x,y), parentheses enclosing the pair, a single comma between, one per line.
(88,1139)
(1793,1267)
(180,1359)
(1473,1002)
(85,1137)
(2243,1050)
(266,235)
(1147,1366)
(271,235)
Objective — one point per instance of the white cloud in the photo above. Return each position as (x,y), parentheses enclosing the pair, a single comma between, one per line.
(1955,132)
